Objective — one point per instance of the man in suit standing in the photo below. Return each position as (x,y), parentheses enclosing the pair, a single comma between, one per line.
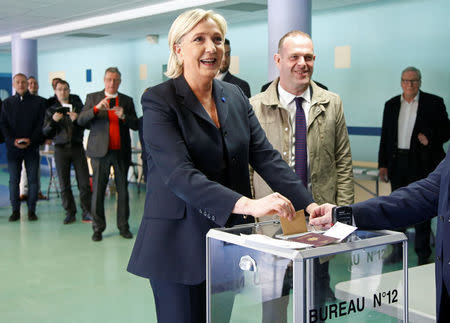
(306,124)
(408,205)
(21,123)
(110,115)
(415,126)
(226,76)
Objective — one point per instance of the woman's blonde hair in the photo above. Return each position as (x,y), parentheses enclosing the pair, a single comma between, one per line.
(183,25)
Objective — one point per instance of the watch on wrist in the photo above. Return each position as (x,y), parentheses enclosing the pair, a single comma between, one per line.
(342,214)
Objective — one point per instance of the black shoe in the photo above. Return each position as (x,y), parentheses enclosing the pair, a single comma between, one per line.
(14,216)
(32,216)
(87,218)
(69,219)
(97,236)
(126,234)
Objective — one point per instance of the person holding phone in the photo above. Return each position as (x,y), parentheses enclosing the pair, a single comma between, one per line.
(61,125)
(109,115)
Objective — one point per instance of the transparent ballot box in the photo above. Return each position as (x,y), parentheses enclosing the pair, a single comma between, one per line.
(355,280)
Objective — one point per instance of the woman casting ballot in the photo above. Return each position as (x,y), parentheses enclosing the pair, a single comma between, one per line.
(201,134)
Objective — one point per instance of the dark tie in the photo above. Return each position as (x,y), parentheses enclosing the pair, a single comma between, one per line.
(300,142)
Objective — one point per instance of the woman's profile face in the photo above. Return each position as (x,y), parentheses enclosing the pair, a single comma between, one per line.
(201,51)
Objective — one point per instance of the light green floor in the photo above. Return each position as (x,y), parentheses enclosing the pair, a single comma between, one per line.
(55,273)
(50,272)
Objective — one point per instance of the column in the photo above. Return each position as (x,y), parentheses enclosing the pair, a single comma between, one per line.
(24,56)
(284,16)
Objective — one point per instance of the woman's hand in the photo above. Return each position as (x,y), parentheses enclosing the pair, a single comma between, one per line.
(273,204)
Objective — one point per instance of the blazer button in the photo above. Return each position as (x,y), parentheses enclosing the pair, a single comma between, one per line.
(225,133)
(213,218)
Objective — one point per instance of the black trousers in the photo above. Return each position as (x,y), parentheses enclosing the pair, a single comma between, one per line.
(179,303)
(401,178)
(65,156)
(101,168)
(15,159)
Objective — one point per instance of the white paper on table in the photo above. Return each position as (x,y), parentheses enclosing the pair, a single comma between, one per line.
(268,241)
(340,231)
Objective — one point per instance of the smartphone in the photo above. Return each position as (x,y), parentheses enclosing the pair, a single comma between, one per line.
(62,110)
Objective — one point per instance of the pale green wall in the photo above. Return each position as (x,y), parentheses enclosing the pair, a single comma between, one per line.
(385,37)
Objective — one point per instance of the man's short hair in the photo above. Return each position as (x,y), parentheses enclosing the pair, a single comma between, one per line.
(413,69)
(227,42)
(19,74)
(292,33)
(32,78)
(113,69)
(63,82)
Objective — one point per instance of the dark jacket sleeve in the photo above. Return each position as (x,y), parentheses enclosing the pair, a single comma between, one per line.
(383,150)
(440,132)
(87,113)
(406,206)
(246,88)
(50,127)
(5,126)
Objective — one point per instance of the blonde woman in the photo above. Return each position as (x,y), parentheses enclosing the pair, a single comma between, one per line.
(201,135)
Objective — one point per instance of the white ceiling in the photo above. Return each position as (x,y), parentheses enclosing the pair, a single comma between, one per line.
(25,15)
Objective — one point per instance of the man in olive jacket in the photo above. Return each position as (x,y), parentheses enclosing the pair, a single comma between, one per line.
(328,170)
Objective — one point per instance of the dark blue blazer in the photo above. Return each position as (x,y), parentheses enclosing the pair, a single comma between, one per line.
(183,199)
(22,117)
(413,204)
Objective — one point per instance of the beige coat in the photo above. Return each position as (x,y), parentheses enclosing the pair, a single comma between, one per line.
(330,159)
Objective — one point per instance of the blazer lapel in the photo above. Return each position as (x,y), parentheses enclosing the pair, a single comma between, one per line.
(187,98)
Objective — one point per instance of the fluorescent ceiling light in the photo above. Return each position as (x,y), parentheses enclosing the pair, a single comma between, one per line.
(131,14)
(5,39)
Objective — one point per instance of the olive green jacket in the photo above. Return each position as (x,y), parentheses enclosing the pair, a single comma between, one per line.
(330,159)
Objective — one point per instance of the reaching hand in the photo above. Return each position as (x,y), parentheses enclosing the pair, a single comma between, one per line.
(423,139)
(119,112)
(103,104)
(383,174)
(73,115)
(322,216)
(22,143)
(273,204)
(57,116)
